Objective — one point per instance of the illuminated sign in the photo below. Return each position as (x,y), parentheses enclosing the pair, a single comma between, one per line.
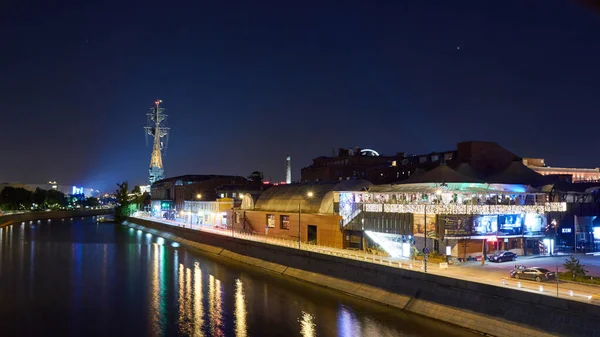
(566,230)
(77,190)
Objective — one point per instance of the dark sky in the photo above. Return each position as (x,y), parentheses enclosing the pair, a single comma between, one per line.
(246,83)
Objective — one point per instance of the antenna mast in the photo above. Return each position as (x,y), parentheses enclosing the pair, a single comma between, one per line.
(156,127)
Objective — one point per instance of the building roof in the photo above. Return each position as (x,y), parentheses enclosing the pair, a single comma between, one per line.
(286,198)
(197,178)
(440,174)
(517,173)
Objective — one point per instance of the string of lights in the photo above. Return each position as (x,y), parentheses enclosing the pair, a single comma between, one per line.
(467,209)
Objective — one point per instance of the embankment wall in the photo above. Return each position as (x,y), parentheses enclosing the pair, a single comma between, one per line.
(487,309)
(6,220)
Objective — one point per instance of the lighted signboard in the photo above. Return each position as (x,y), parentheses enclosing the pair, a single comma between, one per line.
(485,225)
(456,225)
(510,224)
(568,230)
(534,224)
(77,190)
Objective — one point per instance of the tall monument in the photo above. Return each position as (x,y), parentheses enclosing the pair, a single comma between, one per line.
(288,169)
(156,127)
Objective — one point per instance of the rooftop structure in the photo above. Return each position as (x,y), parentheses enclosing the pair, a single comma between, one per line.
(577,174)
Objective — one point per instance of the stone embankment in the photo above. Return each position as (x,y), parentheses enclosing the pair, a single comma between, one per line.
(490,310)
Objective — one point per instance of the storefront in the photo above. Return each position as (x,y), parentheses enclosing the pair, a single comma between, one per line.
(472,219)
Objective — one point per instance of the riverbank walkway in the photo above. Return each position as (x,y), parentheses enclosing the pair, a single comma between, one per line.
(468,271)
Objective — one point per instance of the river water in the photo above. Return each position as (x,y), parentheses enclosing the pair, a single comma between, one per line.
(76,277)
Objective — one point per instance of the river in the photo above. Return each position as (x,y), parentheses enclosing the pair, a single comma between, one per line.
(77,277)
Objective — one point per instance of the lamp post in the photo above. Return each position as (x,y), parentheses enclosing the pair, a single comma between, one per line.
(309,194)
(554,224)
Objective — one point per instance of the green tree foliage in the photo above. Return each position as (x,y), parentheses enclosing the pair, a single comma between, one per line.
(55,199)
(39,197)
(123,202)
(15,198)
(92,202)
(574,267)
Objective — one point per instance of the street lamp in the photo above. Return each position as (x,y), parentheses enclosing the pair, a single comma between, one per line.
(309,195)
(198,196)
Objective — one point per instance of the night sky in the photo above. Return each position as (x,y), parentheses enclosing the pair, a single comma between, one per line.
(246,83)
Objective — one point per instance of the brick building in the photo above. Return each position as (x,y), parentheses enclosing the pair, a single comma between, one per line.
(474,158)
(305,209)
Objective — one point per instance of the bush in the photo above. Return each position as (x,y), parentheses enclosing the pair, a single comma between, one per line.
(575,268)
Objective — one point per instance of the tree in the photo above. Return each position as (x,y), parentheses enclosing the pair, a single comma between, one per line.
(574,267)
(256,177)
(15,198)
(55,199)
(39,197)
(136,190)
(92,202)
(123,201)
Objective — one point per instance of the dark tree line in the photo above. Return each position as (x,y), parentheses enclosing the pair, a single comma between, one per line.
(18,198)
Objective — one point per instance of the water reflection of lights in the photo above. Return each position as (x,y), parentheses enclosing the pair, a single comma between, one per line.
(307,326)
(240,309)
(214,302)
(158,289)
(198,307)
(155,319)
(184,301)
(348,325)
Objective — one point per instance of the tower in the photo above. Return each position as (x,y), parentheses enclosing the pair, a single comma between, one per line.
(156,127)
(288,169)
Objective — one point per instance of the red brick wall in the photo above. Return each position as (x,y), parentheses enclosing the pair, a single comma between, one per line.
(328,231)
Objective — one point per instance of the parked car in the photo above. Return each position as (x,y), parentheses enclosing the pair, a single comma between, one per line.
(502,256)
(533,273)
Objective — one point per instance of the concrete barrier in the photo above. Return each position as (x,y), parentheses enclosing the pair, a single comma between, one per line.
(487,309)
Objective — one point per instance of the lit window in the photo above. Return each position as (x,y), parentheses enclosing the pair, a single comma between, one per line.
(285,222)
(271,220)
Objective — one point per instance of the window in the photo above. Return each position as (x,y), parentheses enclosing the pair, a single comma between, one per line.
(448,156)
(222,195)
(233,195)
(435,157)
(285,222)
(422,159)
(271,220)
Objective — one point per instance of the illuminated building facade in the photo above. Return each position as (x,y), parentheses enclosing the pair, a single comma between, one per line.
(577,174)
(473,219)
